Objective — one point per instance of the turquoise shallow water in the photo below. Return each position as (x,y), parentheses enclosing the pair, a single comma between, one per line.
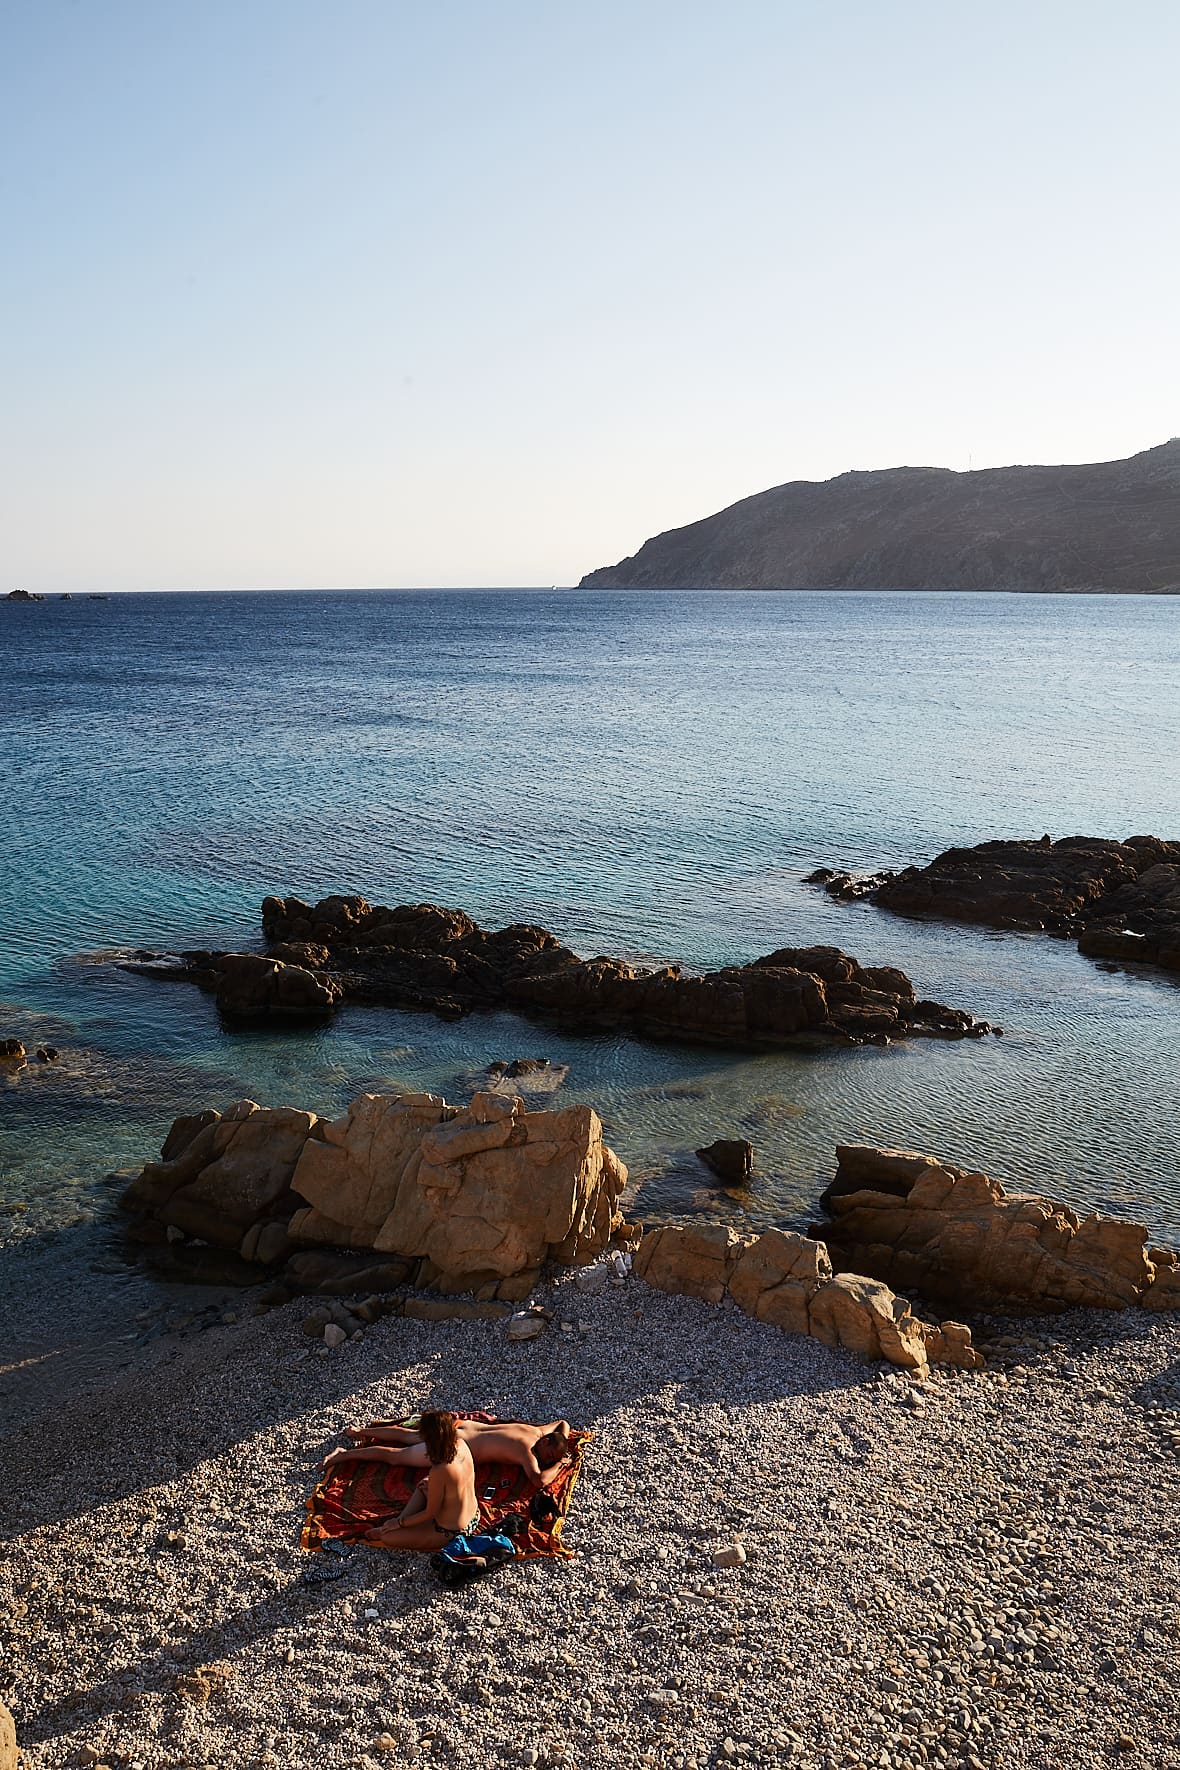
(646,775)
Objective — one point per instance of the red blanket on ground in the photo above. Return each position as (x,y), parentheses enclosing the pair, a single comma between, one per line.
(351,1500)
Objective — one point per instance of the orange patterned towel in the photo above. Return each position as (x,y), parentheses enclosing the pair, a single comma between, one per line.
(351,1500)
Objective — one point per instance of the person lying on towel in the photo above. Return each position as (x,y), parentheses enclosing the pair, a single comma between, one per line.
(444,1503)
(539,1450)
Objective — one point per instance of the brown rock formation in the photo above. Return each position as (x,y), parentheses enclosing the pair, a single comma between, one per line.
(1110,525)
(250,986)
(787,1280)
(1120,899)
(422,956)
(417,1191)
(1140,919)
(730,1158)
(1056,885)
(957,1236)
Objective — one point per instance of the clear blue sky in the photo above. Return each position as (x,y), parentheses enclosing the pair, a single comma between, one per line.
(361,293)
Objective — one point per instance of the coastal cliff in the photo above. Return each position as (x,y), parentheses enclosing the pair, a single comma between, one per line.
(1113,525)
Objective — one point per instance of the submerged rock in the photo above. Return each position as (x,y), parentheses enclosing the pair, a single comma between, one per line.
(525,1075)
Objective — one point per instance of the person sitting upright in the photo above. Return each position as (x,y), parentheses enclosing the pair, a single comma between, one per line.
(442,1505)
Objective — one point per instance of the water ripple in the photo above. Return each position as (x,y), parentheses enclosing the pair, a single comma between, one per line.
(650,776)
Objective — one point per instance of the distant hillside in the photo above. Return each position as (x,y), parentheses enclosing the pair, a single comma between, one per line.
(1111,526)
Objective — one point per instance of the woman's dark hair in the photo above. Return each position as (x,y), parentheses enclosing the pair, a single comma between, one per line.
(440,1434)
(550,1448)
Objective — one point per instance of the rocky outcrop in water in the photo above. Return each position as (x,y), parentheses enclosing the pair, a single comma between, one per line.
(1120,900)
(958,1236)
(730,1158)
(788,1280)
(415,1191)
(422,956)
(1112,525)
(253,986)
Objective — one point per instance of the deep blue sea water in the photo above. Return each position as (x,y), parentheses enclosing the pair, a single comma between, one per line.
(646,775)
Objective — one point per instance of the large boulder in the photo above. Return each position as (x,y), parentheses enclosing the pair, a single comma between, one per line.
(221,1174)
(9,1755)
(480,1194)
(776,1276)
(864,1315)
(403,1188)
(957,1235)
(690,1260)
(254,986)
(787,1279)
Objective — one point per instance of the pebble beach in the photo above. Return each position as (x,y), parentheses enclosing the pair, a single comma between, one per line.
(977,1569)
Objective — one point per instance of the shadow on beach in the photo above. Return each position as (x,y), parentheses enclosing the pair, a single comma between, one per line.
(243,1411)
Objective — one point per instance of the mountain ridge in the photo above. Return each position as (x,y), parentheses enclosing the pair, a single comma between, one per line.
(1087,527)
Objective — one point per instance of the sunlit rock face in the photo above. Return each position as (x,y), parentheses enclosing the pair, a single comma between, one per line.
(958,1236)
(460,1198)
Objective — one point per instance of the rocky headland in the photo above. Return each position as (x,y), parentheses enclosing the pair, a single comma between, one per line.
(343,949)
(1112,525)
(1118,899)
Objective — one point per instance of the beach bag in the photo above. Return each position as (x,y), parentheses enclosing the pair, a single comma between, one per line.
(468,1558)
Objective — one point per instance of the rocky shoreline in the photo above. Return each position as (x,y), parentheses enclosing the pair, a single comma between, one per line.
(956,1537)
(342,949)
(1118,900)
(405,1191)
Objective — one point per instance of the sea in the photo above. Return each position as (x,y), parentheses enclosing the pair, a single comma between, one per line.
(647,775)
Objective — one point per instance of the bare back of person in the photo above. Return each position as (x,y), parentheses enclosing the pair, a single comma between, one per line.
(458,1508)
(510,1441)
(439,1508)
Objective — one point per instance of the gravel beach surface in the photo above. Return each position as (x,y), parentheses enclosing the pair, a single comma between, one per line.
(978,1570)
